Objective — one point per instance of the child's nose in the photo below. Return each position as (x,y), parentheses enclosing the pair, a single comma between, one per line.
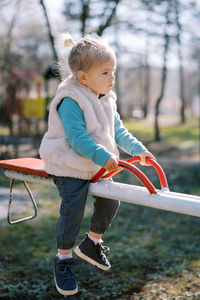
(113,76)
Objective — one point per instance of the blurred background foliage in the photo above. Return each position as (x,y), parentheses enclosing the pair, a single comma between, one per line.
(157,45)
(155,254)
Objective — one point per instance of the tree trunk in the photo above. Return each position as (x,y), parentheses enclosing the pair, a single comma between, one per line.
(9,98)
(147,77)
(180,58)
(117,74)
(84,15)
(163,83)
(147,74)
(51,38)
(199,103)
(164,73)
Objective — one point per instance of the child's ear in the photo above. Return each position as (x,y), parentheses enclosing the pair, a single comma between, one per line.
(81,76)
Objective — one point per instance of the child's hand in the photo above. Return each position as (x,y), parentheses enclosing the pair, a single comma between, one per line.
(111,164)
(143,156)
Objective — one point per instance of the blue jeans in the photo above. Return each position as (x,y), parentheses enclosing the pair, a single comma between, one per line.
(73,192)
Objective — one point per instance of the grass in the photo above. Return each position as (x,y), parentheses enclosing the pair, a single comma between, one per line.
(173,133)
(179,141)
(154,254)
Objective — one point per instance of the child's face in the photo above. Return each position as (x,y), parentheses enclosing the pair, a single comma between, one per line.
(100,78)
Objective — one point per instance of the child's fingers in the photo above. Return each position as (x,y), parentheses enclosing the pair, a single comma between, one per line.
(111,164)
(143,157)
(114,165)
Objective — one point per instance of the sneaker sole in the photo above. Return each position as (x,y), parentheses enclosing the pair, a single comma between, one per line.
(90,260)
(63,292)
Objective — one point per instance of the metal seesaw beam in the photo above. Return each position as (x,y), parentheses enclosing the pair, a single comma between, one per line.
(165,200)
(33,171)
(161,199)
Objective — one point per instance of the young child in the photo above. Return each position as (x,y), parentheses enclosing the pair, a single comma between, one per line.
(84,130)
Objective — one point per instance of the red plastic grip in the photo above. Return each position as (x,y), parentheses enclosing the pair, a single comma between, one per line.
(98,175)
(125,165)
(153,163)
(141,176)
(137,172)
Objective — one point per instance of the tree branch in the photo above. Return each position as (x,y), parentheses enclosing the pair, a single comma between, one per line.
(102,27)
(51,38)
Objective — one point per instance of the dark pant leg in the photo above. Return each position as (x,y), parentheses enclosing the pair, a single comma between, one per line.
(103,214)
(73,192)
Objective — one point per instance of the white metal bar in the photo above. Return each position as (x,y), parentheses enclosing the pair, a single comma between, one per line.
(165,200)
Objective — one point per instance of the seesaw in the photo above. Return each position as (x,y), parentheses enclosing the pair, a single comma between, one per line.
(32,170)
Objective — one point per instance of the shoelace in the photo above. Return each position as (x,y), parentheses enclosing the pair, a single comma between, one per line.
(102,249)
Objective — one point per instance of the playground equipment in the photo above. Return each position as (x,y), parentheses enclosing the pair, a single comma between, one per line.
(32,170)
(25,100)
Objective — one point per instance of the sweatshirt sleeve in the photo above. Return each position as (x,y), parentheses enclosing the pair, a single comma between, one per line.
(74,125)
(125,139)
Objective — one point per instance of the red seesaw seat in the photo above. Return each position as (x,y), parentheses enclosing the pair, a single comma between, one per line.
(29,165)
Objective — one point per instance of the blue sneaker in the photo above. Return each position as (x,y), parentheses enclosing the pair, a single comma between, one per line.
(64,277)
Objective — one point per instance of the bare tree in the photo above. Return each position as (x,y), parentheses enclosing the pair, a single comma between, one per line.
(145,22)
(84,14)
(117,74)
(166,39)
(83,10)
(6,45)
(7,60)
(180,58)
(109,18)
(147,77)
(51,38)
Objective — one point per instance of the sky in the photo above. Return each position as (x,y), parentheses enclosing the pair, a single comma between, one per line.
(55,12)
(127,39)
(54,7)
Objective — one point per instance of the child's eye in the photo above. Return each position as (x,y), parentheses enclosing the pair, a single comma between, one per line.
(105,73)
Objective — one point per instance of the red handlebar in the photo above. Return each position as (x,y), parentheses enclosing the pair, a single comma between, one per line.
(127,165)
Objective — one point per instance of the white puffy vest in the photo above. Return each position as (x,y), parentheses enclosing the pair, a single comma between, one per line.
(59,157)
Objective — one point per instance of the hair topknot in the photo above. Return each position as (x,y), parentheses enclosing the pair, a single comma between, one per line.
(68,40)
(64,41)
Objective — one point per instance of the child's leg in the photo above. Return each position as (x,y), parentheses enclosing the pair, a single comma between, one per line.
(73,193)
(103,214)
(91,248)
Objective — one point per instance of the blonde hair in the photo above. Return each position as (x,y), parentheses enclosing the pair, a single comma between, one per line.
(88,51)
